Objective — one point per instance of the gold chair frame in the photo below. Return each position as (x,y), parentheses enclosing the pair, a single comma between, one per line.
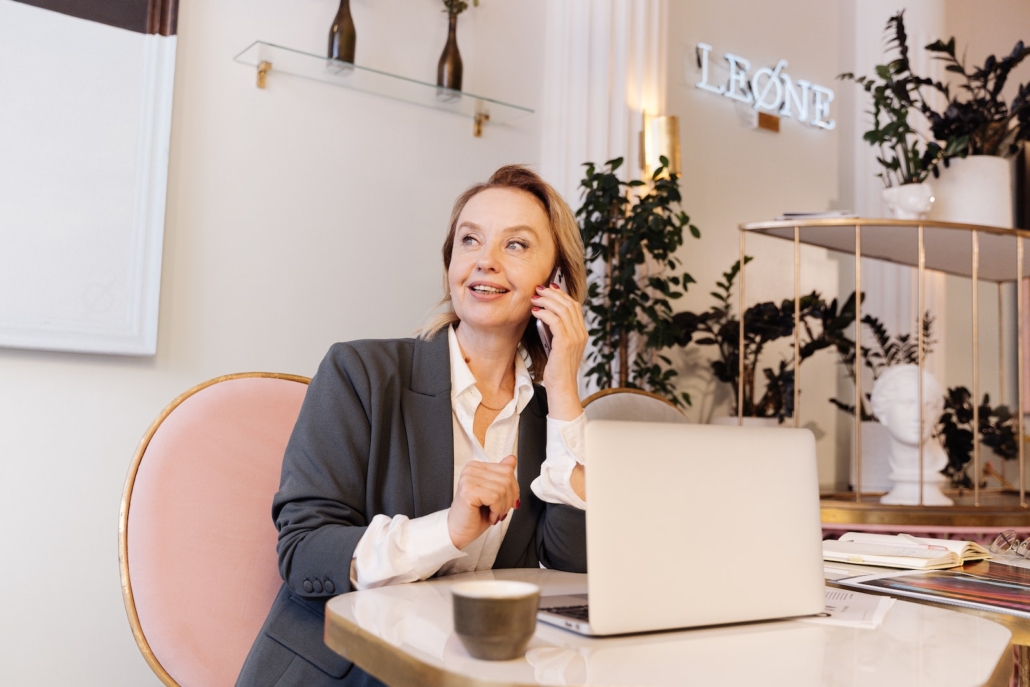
(627,390)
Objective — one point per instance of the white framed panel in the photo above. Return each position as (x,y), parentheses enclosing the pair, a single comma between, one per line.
(84,142)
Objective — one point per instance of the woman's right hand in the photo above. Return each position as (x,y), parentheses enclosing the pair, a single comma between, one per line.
(485,494)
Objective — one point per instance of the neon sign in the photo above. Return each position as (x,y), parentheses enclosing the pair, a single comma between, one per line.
(769,89)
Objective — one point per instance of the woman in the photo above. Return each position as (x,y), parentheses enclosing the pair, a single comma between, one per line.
(438,455)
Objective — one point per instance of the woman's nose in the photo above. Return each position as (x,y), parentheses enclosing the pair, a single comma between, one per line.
(488,259)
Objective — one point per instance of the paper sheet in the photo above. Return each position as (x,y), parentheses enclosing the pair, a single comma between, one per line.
(853,609)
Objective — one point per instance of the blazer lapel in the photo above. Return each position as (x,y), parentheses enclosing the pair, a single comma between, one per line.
(532,451)
(426,407)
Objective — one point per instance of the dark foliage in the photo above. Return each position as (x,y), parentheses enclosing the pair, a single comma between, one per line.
(763,324)
(631,305)
(977,120)
(999,430)
(905,156)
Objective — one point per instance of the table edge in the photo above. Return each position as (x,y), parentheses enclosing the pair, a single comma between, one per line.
(391,665)
(398,668)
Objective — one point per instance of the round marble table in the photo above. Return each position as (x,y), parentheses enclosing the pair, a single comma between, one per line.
(404,636)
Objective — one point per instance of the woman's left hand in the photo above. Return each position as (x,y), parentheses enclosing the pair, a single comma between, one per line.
(564,316)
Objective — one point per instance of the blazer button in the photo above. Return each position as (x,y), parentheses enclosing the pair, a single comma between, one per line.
(318,586)
(329,586)
(308,587)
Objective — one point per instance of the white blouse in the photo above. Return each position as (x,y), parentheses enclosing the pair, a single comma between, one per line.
(400,549)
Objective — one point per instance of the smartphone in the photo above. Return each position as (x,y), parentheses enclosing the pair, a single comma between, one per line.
(542,329)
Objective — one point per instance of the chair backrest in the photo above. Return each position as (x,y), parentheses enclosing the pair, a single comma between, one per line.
(631,404)
(196,538)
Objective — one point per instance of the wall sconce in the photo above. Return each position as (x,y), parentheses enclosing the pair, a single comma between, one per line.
(660,136)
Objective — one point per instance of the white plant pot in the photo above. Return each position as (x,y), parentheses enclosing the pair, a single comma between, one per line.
(731,420)
(910,201)
(974,190)
(875,458)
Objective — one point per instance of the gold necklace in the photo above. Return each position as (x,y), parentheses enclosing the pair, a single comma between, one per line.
(493,409)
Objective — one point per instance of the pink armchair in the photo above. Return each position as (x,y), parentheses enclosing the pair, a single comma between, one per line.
(196,541)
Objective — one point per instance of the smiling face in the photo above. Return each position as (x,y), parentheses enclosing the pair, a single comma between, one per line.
(503,249)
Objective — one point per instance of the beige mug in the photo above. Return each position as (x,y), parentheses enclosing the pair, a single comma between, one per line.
(495,619)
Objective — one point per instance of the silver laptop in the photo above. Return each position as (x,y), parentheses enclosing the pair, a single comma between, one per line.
(694,525)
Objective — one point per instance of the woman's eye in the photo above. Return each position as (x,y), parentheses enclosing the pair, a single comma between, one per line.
(518,244)
(468,240)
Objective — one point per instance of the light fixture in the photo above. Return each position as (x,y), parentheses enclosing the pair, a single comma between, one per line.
(660,136)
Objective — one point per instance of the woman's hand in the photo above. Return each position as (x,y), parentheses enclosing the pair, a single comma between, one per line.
(564,316)
(485,494)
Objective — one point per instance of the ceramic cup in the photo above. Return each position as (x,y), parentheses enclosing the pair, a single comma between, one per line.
(495,619)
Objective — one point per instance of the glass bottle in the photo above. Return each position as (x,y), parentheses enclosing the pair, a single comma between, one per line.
(342,36)
(448,71)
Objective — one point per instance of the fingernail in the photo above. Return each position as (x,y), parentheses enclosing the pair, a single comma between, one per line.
(503,517)
(536,308)
(535,295)
(554,286)
(541,288)
(517,502)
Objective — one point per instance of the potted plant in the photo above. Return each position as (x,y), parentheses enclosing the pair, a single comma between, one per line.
(764,323)
(634,238)
(906,157)
(979,129)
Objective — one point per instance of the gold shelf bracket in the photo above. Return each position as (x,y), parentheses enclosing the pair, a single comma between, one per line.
(477,124)
(262,72)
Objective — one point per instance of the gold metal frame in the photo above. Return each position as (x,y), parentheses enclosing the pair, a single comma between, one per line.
(626,390)
(920,265)
(123,511)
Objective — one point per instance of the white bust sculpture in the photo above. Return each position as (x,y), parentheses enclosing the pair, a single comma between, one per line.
(895,402)
(911,201)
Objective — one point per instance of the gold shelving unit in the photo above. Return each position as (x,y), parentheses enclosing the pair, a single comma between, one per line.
(980,253)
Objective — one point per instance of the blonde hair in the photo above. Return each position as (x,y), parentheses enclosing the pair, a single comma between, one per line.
(568,247)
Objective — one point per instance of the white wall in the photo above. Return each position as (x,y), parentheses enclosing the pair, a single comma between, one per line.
(306,214)
(733,174)
(297,216)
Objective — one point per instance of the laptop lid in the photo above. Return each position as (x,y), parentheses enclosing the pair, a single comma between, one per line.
(692,525)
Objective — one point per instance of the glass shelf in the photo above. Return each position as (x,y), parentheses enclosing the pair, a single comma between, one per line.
(269,58)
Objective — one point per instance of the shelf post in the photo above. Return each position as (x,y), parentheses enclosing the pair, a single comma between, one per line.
(740,349)
(1020,306)
(858,363)
(976,367)
(921,269)
(797,326)
(262,72)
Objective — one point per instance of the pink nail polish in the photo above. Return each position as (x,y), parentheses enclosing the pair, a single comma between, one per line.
(536,308)
(517,502)
(554,286)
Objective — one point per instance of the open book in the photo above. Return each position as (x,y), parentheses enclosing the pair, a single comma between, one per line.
(902,551)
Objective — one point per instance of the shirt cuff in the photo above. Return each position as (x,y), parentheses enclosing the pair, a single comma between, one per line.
(398,549)
(430,545)
(565,449)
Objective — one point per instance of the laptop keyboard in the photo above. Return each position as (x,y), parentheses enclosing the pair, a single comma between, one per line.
(575,612)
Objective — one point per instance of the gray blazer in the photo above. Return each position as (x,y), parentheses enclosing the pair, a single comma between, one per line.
(375,435)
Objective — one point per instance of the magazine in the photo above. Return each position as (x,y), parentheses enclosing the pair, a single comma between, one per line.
(983,586)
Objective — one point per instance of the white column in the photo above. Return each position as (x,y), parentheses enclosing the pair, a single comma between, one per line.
(891,293)
(605,65)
